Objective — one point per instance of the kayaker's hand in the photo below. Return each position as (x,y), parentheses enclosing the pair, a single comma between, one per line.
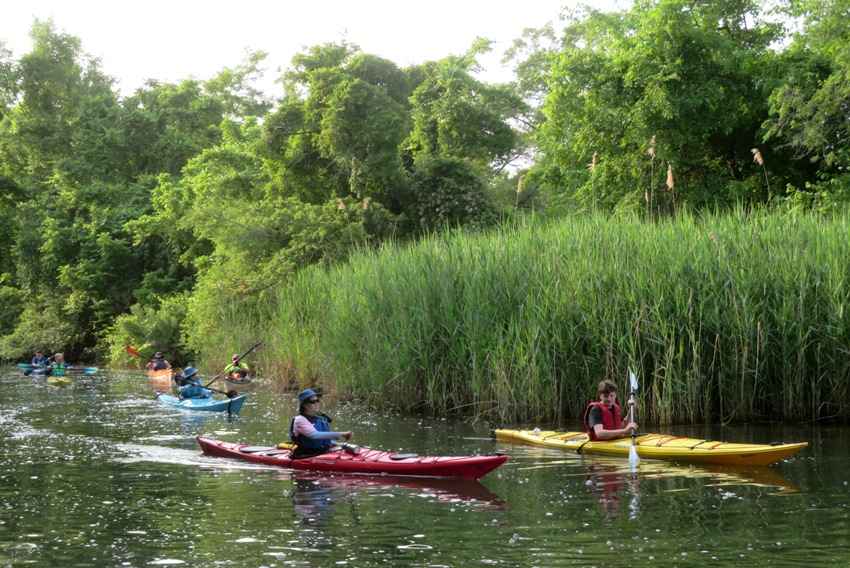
(630,426)
(348,435)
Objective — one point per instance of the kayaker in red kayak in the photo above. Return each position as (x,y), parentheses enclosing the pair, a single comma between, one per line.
(310,429)
(603,420)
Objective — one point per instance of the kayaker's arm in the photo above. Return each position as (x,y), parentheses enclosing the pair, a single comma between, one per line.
(303,427)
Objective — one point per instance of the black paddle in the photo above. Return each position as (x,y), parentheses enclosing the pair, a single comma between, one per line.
(221,374)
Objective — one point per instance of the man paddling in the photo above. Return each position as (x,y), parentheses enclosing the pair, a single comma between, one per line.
(39,360)
(603,420)
(237,369)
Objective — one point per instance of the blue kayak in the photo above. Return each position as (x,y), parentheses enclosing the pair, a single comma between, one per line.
(33,370)
(209,404)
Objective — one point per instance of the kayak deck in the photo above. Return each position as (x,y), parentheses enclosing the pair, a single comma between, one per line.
(232,405)
(368,462)
(659,447)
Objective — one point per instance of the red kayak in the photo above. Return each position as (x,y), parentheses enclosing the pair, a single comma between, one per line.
(367,461)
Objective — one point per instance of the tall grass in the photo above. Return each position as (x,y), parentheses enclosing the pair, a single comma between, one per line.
(729,318)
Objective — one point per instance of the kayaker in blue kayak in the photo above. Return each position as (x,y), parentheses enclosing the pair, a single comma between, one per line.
(189,384)
(39,360)
(310,429)
(603,419)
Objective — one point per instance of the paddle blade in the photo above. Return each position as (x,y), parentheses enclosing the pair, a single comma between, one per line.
(132,351)
(634,459)
(633,381)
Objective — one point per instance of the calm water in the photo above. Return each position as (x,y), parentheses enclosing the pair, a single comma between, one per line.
(102,474)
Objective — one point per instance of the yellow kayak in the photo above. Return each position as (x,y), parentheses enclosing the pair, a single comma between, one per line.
(59,381)
(658,447)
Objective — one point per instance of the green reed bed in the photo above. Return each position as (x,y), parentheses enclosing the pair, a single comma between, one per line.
(729,318)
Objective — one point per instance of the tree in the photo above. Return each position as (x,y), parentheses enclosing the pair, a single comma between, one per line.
(809,114)
(455,115)
(670,86)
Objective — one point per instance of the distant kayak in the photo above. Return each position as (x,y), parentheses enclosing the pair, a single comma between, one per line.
(32,369)
(209,404)
(243,384)
(658,447)
(160,374)
(368,461)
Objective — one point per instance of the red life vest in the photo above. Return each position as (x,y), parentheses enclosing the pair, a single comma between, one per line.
(610,420)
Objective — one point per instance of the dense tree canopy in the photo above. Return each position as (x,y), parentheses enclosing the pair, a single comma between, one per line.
(135,219)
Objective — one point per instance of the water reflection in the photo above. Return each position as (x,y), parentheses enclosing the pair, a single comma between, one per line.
(433,490)
(609,483)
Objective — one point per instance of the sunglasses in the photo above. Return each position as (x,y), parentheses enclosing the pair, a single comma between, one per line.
(313,401)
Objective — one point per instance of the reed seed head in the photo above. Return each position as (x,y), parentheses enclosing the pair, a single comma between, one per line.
(757,157)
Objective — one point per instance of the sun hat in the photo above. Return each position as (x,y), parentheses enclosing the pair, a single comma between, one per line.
(159,355)
(305,394)
(189,371)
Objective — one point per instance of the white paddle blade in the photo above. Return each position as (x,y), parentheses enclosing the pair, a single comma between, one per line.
(634,459)
(633,381)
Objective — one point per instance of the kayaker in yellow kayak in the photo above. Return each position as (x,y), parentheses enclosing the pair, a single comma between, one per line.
(310,429)
(603,420)
(59,366)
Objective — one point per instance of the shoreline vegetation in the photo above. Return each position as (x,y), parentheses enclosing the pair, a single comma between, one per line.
(727,318)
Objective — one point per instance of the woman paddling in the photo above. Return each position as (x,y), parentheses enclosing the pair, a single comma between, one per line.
(310,429)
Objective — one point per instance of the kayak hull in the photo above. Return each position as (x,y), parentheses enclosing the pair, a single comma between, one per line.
(160,374)
(368,462)
(241,385)
(59,381)
(231,405)
(659,447)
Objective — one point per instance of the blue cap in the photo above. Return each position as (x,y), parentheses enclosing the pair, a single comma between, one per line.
(189,372)
(305,394)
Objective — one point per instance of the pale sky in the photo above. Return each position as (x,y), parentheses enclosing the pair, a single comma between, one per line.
(176,39)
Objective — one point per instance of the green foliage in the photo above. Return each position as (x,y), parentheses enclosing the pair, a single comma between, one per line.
(727,318)
(449,192)
(149,330)
(809,112)
(457,116)
(678,79)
